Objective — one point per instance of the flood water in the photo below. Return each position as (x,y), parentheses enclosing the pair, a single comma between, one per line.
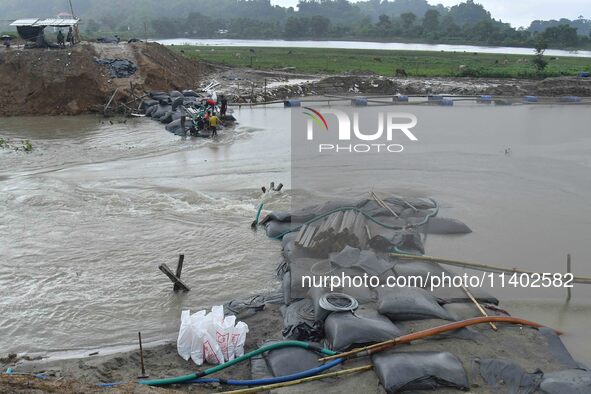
(87,217)
(398,46)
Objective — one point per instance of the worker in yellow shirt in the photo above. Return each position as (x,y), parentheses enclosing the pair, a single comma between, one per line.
(213,124)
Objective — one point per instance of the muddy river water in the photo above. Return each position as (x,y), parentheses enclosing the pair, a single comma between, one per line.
(90,213)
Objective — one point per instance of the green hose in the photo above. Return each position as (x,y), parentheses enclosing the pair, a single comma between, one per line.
(217,368)
(256,219)
(422,222)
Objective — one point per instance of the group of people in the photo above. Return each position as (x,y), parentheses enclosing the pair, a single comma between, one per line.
(206,118)
(61,40)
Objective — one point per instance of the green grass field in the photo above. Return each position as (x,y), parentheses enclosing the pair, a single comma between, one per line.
(415,63)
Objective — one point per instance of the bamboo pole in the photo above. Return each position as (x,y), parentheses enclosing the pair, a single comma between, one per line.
(300,381)
(481,267)
(478,306)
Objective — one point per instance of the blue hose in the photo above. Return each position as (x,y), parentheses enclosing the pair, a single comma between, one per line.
(277,379)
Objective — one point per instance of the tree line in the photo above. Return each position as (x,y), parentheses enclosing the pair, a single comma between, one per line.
(385,20)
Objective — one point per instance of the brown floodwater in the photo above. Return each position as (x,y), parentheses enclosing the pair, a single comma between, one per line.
(90,213)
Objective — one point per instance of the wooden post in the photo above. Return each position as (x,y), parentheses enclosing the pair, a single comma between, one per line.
(143,375)
(109,102)
(568,271)
(179,270)
(265,91)
(167,271)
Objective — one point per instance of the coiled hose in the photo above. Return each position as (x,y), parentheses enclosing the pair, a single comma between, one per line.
(433,213)
(279,345)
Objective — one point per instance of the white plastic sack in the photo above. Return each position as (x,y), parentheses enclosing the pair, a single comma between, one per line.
(239,337)
(223,332)
(196,321)
(209,337)
(211,349)
(183,343)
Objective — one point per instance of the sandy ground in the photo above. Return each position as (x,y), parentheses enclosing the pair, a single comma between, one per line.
(526,346)
(160,361)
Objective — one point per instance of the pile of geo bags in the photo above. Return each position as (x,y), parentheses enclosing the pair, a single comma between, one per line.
(210,337)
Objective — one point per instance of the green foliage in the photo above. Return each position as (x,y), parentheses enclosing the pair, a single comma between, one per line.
(415,63)
(27,146)
(399,20)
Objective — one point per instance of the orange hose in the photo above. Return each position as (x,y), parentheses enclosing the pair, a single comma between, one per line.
(434,331)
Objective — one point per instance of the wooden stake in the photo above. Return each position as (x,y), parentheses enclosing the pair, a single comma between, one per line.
(143,375)
(167,271)
(179,270)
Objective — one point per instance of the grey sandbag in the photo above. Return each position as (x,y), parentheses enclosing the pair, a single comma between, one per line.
(147,103)
(453,294)
(175,93)
(557,348)
(161,111)
(276,229)
(467,310)
(445,226)
(290,360)
(401,371)
(286,288)
(303,267)
(500,372)
(189,93)
(175,127)
(415,268)
(410,303)
(344,329)
(167,118)
(365,260)
(177,101)
(298,322)
(151,109)
(280,216)
(157,93)
(570,381)
(259,368)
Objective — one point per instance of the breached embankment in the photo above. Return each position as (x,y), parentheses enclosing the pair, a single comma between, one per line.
(70,81)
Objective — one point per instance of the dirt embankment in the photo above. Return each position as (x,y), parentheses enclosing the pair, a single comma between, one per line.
(69,81)
(335,85)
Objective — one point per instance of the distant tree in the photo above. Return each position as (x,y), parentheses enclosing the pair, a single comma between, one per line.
(319,26)
(408,20)
(563,36)
(431,21)
(384,25)
(539,61)
(469,13)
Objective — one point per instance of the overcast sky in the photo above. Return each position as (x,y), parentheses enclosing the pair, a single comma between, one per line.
(516,12)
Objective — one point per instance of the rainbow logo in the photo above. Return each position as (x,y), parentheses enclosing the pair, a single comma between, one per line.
(317,117)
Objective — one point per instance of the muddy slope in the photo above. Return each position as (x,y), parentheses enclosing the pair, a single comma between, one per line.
(70,82)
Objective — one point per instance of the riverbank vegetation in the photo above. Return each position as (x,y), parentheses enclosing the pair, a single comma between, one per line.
(387,63)
(395,21)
